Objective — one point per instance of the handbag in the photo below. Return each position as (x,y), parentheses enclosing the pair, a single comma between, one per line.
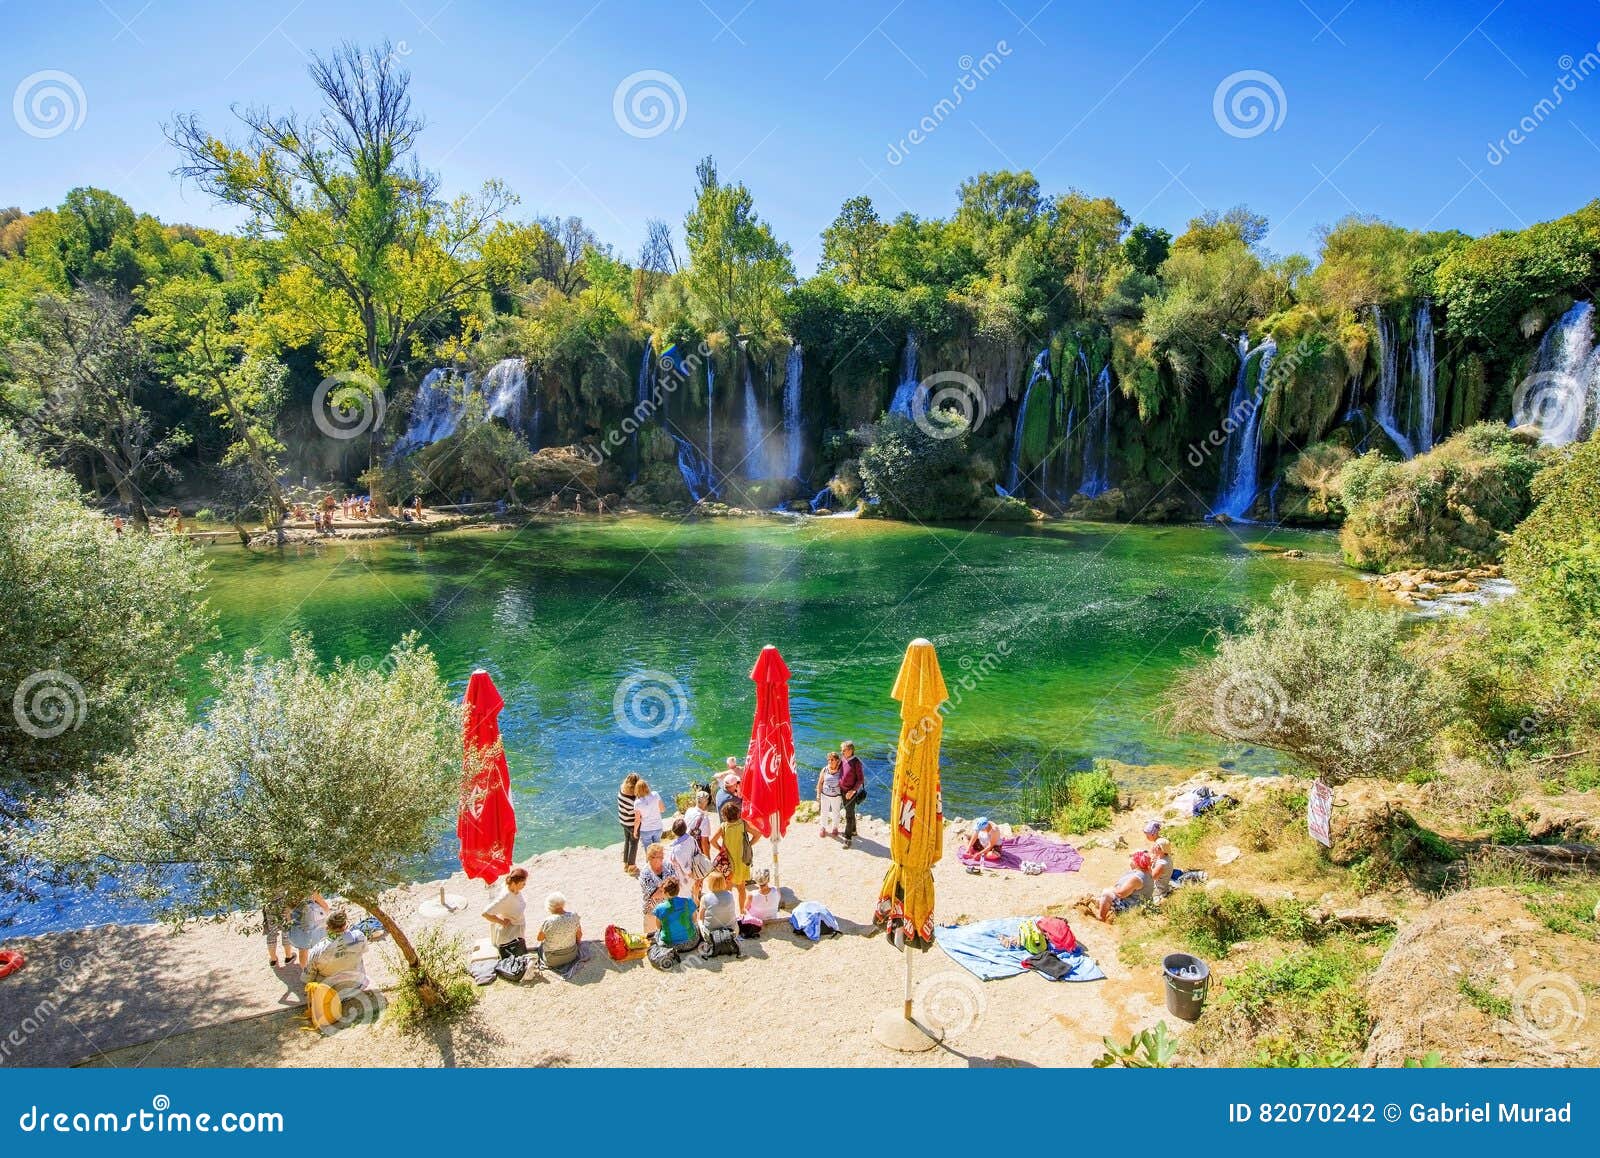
(516,947)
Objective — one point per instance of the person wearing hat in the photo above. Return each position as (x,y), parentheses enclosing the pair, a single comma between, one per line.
(986,841)
(1135,888)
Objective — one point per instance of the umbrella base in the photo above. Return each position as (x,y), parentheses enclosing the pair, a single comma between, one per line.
(893,1029)
(441,906)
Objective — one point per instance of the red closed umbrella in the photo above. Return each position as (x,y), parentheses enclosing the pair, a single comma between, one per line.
(770,788)
(487,824)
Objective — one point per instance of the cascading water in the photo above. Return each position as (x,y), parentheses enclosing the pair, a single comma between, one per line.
(641,394)
(1097,438)
(436,411)
(1041,369)
(505,391)
(1566,396)
(822,500)
(1422,371)
(791,410)
(536,423)
(711,420)
(1241,454)
(1389,384)
(755,452)
(695,469)
(906,391)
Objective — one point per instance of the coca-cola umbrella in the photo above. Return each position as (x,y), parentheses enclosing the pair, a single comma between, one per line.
(771,789)
(487,824)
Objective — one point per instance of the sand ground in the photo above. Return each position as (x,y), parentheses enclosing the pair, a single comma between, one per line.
(142,996)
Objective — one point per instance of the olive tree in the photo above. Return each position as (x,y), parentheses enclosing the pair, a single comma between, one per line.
(1326,680)
(298,779)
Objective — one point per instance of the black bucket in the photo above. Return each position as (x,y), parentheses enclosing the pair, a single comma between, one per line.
(1188,980)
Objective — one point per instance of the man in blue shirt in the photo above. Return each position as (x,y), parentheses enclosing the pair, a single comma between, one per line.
(676,915)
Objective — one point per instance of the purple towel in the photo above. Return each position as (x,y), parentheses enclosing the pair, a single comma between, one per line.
(1057,856)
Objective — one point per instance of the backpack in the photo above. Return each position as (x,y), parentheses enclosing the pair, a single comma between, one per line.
(1032,940)
(662,956)
(623,945)
(720,943)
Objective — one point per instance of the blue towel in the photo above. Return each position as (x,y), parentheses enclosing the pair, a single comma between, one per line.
(977,949)
(811,918)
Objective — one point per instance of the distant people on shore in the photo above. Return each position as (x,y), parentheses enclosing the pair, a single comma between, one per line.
(653,877)
(684,855)
(700,818)
(561,934)
(720,909)
(732,850)
(852,782)
(507,913)
(766,904)
(830,797)
(674,918)
(275,919)
(1136,887)
(627,817)
(339,959)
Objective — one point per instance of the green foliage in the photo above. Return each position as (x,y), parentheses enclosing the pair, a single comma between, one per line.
(737,269)
(443,955)
(1484,1000)
(1322,678)
(1146,247)
(1152,1048)
(1213,921)
(1070,799)
(850,245)
(1555,553)
(1432,1060)
(921,470)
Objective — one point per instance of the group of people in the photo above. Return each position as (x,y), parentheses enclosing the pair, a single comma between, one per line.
(320,940)
(559,937)
(1150,876)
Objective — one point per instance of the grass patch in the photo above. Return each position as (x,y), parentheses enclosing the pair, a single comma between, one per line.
(443,958)
(1304,1008)
(1564,905)
(1213,921)
(1485,1000)
(1072,799)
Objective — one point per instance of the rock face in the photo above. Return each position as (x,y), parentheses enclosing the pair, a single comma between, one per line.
(1434,592)
(557,468)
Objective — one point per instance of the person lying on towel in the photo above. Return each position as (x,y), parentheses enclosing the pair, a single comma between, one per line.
(1136,887)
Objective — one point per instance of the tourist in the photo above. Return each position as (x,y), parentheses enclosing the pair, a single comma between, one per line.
(732,844)
(647,808)
(766,904)
(852,783)
(720,910)
(674,918)
(307,925)
(507,913)
(830,798)
(560,935)
(1161,865)
(275,921)
(986,841)
(684,855)
(1135,888)
(626,817)
(416,507)
(653,877)
(116,525)
(338,960)
(701,820)
(728,784)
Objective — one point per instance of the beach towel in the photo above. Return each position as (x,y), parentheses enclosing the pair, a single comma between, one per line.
(1056,856)
(977,948)
(811,919)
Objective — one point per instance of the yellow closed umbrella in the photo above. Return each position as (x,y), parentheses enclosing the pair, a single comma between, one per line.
(916,825)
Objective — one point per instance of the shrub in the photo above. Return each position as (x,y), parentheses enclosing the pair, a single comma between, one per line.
(914,474)
(1073,800)
(443,956)
(1484,1000)
(1213,921)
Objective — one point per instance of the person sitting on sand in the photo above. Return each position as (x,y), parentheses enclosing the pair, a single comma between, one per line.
(1135,888)
(830,798)
(684,854)
(338,960)
(653,877)
(765,903)
(560,934)
(674,918)
(720,910)
(507,913)
(986,841)
(732,858)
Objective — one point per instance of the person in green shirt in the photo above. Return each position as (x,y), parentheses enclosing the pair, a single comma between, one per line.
(676,915)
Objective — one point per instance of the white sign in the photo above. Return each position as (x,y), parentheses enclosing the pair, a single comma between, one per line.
(1319,814)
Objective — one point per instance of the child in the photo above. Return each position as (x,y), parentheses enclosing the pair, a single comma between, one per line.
(830,798)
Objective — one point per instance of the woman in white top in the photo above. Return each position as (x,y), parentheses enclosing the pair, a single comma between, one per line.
(646,814)
(764,904)
(830,798)
(507,913)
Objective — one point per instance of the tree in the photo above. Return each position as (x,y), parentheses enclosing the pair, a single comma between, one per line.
(297,780)
(850,245)
(376,260)
(999,209)
(1315,675)
(97,628)
(737,269)
(1555,552)
(921,470)
(87,388)
(1146,248)
(562,244)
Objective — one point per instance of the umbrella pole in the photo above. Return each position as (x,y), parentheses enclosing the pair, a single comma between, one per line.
(900,938)
(777,839)
(896,1028)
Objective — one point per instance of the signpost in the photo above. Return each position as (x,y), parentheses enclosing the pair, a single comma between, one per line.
(1319,814)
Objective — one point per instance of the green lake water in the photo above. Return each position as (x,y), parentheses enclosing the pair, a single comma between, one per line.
(1064,634)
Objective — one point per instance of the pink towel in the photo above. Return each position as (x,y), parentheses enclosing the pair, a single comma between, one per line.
(1057,856)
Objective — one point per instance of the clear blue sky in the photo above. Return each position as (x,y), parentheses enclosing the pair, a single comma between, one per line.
(1389,107)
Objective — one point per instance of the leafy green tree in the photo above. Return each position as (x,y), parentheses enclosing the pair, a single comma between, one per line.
(1321,678)
(999,209)
(1146,247)
(850,245)
(738,270)
(297,780)
(1554,553)
(97,628)
(921,470)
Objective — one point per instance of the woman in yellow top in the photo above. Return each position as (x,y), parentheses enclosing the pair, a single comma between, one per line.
(732,844)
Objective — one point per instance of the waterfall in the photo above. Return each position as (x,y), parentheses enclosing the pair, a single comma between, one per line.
(1389,383)
(536,423)
(505,391)
(1041,369)
(822,500)
(1097,439)
(436,411)
(1241,454)
(906,391)
(755,458)
(791,410)
(641,394)
(695,469)
(1422,370)
(1569,398)
(711,410)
